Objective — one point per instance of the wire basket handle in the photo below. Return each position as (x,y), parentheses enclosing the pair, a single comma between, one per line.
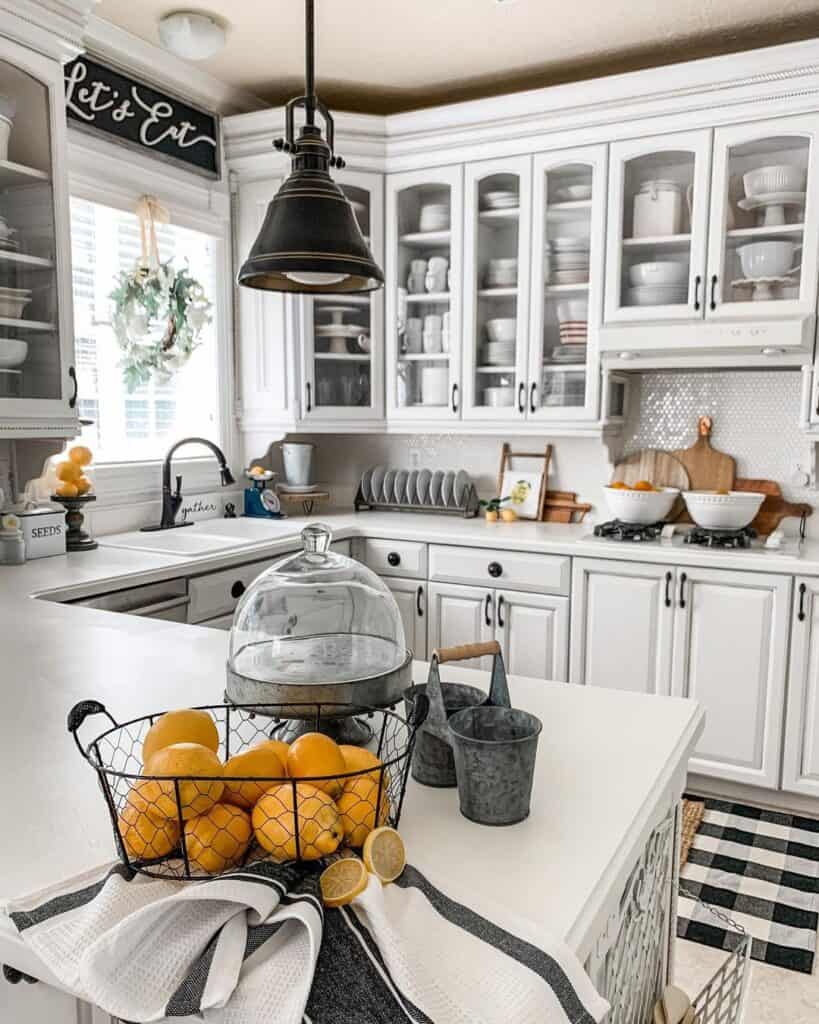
(78,714)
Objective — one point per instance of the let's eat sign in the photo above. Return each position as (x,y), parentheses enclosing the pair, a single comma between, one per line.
(103,100)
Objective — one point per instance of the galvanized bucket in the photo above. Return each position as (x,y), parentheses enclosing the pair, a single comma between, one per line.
(494,750)
(432,760)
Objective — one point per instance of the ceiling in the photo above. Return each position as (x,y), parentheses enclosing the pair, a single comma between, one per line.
(382,56)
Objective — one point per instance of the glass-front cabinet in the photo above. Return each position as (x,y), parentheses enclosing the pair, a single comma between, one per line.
(423,303)
(569,211)
(658,227)
(497,229)
(37,378)
(762,254)
(342,349)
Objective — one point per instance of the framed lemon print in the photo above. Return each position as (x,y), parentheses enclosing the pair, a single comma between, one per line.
(523,489)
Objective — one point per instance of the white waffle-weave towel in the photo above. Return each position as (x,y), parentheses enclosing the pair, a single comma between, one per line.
(256,945)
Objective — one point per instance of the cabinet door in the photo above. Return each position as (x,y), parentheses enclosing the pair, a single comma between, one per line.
(800,764)
(569,218)
(622,618)
(341,336)
(424,212)
(498,217)
(657,227)
(411,598)
(40,1004)
(730,653)
(762,255)
(533,631)
(461,615)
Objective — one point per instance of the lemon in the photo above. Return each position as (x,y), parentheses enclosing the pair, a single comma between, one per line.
(67,490)
(184,726)
(194,769)
(316,757)
(69,472)
(319,825)
(257,470)
(384,854)
(218,839)
(83,485)
(357,804)
(260,762)
(342,881)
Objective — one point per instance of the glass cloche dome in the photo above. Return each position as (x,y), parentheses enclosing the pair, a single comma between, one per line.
(317,627)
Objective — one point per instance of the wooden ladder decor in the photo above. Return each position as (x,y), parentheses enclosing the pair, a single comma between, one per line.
(553,506)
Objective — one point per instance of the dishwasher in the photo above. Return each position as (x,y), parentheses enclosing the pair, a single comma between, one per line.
(167,600)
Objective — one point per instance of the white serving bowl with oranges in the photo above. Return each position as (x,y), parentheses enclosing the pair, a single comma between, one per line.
(642,504)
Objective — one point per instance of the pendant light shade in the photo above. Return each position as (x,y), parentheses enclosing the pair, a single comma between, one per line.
(310,241)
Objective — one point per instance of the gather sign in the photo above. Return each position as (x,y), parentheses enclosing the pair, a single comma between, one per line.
(104,100)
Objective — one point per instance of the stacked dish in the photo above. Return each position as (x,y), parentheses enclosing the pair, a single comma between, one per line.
(434,217)
(564,389)
(573,193)
(502,334)
(500,199)
(502,273)
(574,332)
(569,260)
(572,315)
(13,301)
(419,487)
(13,352)
(658,283)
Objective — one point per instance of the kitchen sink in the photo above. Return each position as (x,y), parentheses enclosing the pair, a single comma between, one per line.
(208,537)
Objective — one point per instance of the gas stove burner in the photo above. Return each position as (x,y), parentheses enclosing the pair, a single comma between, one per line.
(616,529)
(721,538)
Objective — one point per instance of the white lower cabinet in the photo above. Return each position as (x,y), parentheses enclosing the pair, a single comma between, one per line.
(716,636)
(800,764)
(411,598)
(41,1004)
(532,629)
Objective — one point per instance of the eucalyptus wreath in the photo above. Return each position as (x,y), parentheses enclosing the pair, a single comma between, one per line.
(158,317)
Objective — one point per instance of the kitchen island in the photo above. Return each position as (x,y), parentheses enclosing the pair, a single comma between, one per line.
(610,771)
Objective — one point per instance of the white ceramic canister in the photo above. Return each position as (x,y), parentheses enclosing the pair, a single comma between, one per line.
(298,463)
(435,385)
(43,531)
(658,209)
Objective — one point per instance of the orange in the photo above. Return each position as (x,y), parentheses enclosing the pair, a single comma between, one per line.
(356,806)
(342,881)
(260,762)
(257,470)
(67,490)
(319,825)
(145,837)
(218,839)
(83,485)
(80,454)
(384,854)
(186,763)
(313,755)
(69,471)
(184,726)
(279,747)
(643,485)
(358,759)
(148,797)
(618,485)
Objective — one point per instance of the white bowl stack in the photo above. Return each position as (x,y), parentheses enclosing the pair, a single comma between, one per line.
(502,273)
(569,260)
(658,283)
(434,217)
(13,301)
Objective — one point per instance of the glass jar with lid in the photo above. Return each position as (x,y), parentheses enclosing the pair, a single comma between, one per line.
(317,634)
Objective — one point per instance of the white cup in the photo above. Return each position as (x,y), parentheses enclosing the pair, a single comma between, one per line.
(435,385)
(433,342)
(418,267)
(415,327)
(445,341)
(433,322)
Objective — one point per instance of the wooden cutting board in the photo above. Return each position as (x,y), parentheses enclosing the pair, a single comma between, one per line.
(708,469)
(774,508)
(660,468)
(561,506)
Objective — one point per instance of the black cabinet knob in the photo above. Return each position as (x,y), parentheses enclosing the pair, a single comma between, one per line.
(495,569)
(237,589)
(394,558)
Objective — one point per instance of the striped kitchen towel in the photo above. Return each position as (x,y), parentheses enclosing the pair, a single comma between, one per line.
(257,945)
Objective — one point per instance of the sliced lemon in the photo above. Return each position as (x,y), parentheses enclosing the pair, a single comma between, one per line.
(384,853)
(345,879)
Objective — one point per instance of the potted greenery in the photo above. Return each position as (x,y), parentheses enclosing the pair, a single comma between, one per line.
(492,508)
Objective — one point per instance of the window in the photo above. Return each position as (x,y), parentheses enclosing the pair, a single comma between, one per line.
(138,425)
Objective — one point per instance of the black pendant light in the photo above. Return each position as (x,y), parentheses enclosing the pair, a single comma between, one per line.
(310,241)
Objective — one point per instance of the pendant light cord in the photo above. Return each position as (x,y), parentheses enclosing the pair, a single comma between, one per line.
(309,55)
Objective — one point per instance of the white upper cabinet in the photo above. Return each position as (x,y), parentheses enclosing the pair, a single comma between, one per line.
(342,336)
(658,227)
(498,217)
(38,383)
(569,223)
(424,272)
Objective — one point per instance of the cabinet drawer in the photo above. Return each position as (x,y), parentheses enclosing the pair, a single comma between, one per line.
(394,557)
(218,593)
(513,570)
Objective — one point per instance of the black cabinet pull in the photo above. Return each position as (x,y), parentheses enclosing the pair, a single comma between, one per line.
(237,589)
(494,569)
(72,373)
(683,579)
(309,396)
(522,397)
(394,558)
(532,396)
(419,596)
(714,292)
(697,283)
(501,623)
(486,605)
(802,591)
(668,578)
(455,397)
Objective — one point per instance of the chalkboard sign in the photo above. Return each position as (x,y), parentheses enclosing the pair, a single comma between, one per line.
(106,101)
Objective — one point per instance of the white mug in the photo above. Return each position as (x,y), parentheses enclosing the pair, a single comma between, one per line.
(418,267)
(433,322)
(433,342)
(416,283)
(438,265)
(415,326)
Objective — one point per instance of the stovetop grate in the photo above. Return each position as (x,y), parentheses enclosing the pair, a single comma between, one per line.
(704,537)
(616,529)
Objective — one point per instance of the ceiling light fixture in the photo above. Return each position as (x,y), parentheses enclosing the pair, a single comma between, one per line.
(310,241)
(191,35)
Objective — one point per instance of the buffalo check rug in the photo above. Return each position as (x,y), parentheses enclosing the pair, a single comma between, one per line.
(761,869)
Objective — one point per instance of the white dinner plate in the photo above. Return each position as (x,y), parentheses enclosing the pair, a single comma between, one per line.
(411,495)
(447,488)
(365,484)
(400,486)
(435,487)
(461,486)
(376,480)
(422,486)
(387,487)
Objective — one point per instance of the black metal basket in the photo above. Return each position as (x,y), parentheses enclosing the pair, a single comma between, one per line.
(167,827)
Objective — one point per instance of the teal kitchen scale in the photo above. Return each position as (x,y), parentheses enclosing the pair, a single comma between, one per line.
(261,502)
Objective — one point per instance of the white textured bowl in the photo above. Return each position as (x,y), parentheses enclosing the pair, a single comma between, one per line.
(13,352)
(640,507)
(12,307)
(573,193)
(775,178)
(499,397)
(766,259)
(659,272)
(502,329)
(572,309)
(729,511)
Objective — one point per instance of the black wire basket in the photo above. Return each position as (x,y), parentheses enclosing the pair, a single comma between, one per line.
(187,828)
